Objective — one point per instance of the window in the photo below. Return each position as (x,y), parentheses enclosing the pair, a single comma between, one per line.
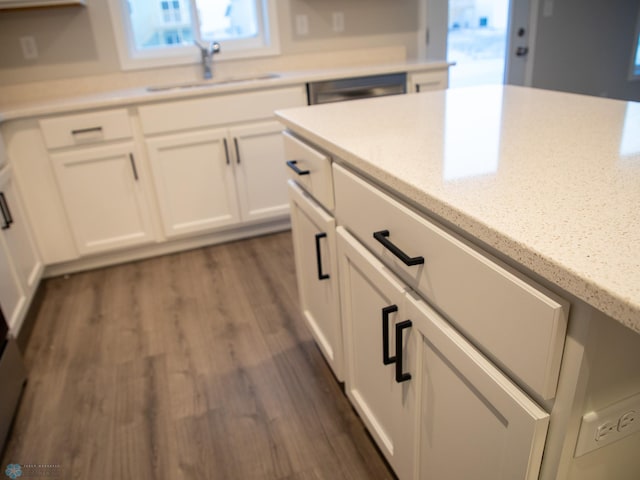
(151,33)
(635,61)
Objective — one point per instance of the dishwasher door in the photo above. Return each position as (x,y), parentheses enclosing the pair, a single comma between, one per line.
(357,87)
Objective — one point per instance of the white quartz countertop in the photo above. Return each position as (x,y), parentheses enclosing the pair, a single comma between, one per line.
(217,86)
(551,180)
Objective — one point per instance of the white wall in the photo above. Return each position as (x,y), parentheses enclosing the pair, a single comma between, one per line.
(78,42)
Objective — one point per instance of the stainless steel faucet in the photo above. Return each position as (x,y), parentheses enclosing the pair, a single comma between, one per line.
(207,51)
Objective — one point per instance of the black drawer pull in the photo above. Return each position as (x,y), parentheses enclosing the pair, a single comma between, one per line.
(6,213)
(382,235)
(292,164)
(133,166)
(80,131)
(235,143)
(226,150)
(321,276)
(386,311)
(400,375)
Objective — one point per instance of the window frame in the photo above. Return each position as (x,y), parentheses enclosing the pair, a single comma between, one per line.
(634,70)
(131,59)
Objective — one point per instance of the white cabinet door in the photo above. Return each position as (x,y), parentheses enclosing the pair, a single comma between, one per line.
(104,198)
(261,176)
(317,273)
(474,422)
(20,264)
(193,175)
(18,236)
(372,302)
(12,296)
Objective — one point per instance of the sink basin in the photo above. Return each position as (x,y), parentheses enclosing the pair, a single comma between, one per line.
(212,83)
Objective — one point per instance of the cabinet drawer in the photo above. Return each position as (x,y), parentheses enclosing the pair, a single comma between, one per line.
(86,128)
(310,168)
(218,110)
(425,81)
(517,324)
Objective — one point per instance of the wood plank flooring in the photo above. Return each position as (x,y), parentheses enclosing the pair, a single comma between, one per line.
(196,365)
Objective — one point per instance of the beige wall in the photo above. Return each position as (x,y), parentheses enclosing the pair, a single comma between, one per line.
(79,41)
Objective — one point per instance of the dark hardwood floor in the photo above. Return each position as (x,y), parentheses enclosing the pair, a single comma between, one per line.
(188,366)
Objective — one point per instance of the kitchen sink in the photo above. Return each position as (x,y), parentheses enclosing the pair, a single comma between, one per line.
(212,83)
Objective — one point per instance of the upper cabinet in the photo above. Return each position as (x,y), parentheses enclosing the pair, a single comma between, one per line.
(10,4)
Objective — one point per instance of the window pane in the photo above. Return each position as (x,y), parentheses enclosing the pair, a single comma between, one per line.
(227,19)
(159,23)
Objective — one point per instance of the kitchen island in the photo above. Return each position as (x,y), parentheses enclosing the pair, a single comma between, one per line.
(544,186)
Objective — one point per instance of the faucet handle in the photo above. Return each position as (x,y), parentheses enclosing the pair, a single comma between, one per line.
(207,48)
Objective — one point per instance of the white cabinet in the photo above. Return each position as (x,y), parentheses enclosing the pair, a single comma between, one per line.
(317,273)
(424,81)
(193,176)
(20,263)
(260,175)
(418,385)
(103,197)
(380,353)
(208,179)
(473,421)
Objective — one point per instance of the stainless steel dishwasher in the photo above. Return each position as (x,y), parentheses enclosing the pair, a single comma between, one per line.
(356,87)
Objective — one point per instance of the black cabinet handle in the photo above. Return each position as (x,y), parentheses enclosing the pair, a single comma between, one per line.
(382,235)
(235,144)
(6,213)
(321,276)
(386,311)
(400,375)
(292,164)
(226,150)
(80,131)
(133,166)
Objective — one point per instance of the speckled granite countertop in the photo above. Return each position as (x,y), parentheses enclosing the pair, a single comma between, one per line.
(217,86)
(551,180)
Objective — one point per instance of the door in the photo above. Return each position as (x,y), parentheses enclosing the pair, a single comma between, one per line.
(373,319)
(18,236)
(317,272)
(193,176)
(490,40)
(473,421)
(104,198)
(261,177)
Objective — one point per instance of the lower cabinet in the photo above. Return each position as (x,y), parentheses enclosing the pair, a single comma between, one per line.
(104,197)
(373,315)
(193,176)
(211,178)
(317,272)
(20,263)
(435,405)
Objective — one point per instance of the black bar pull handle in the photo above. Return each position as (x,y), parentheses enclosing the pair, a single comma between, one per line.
(133,166)
(400,375)
(292,164)
(235,144)
(6,213)
(226,150)
(386,311)
(382,237)
(321,276)
(80,131)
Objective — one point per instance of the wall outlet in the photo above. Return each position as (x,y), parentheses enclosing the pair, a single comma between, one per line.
(302,24)
(338,21)
(603,427)
(29,47)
